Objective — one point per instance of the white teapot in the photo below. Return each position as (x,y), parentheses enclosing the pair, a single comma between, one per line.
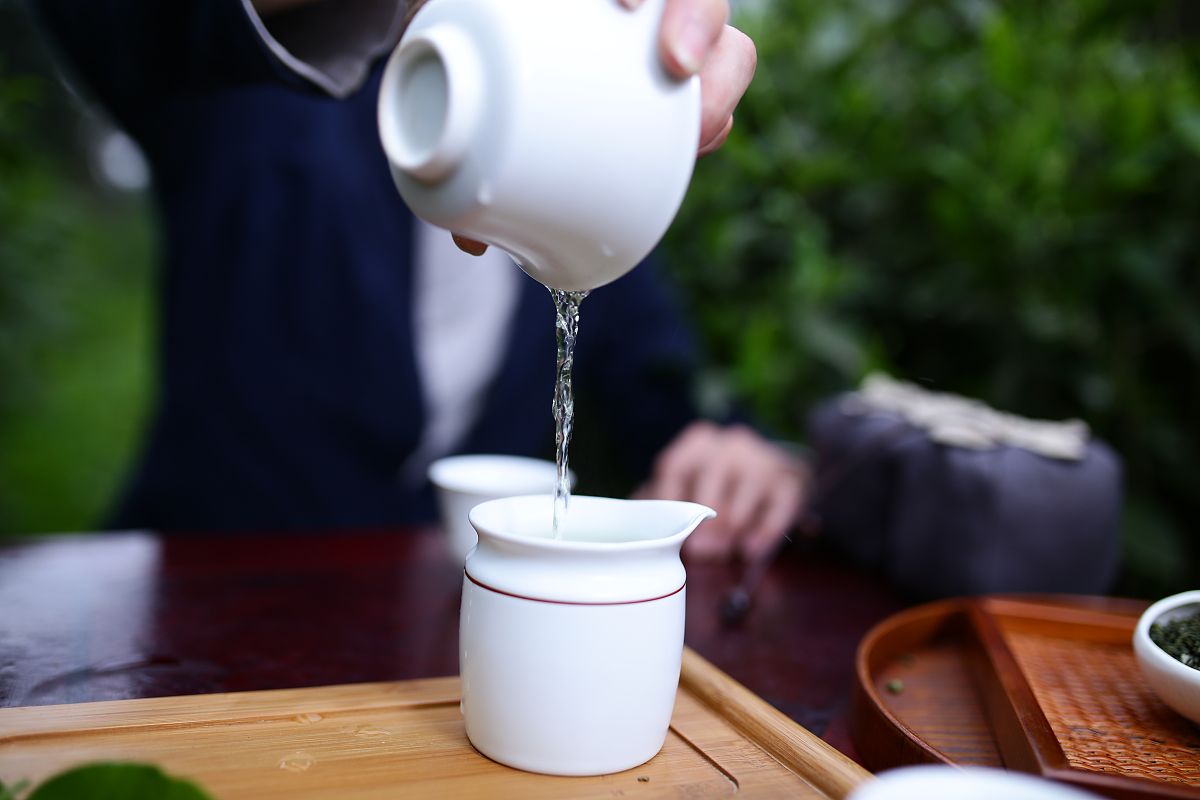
(547,128)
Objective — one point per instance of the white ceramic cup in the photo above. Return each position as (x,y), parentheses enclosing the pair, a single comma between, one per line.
(547,128)
(570,649)
(1176,683)
(463,482)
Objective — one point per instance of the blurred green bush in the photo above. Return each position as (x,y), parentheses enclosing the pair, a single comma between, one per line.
(994,199)
(997,199)
(74,317)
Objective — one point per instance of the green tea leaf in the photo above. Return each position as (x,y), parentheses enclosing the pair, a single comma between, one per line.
(115,781)
(1180,638)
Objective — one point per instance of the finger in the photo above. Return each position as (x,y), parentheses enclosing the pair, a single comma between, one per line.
(723,80)
(714,475)
(676,466)
(469,246)
(751,463)
(778,515)
(713,481)
(746,497)
(709,542)
(718,140)
(689,30)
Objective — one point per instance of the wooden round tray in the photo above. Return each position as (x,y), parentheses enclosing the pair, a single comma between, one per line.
(1042,685)
(933,714)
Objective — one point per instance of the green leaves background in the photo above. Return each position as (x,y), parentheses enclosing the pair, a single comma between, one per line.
(998,199)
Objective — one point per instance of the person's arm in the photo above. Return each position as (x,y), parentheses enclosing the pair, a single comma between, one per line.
(136,55)
(329,43)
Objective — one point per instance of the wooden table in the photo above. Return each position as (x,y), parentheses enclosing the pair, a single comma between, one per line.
(123,615)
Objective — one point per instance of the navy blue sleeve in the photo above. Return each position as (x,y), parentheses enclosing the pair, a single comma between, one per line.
(134,55)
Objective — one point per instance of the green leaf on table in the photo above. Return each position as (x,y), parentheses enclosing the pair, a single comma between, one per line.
(117,782)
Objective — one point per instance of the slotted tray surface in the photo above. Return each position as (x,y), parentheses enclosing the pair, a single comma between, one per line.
(1050,687)
(406,739)
(1103,715)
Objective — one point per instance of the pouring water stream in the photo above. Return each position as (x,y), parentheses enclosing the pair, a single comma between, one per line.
(566,325)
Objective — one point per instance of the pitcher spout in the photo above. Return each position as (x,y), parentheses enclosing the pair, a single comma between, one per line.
(591,522)
(610,551)
(693,514)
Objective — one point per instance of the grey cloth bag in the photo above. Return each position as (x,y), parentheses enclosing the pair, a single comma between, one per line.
(942,520)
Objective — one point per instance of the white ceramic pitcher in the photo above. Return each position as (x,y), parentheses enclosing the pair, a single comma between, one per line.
(570,649)
(548,128)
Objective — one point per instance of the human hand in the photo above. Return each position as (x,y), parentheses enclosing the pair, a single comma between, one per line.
(694,39)
(756,488)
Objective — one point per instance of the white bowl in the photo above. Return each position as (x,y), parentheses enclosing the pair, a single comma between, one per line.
(499,123)
(463,482)
(933,782)
(1176,683)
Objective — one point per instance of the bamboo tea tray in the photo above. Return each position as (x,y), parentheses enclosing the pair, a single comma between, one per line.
(407,739)
(1050,687)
